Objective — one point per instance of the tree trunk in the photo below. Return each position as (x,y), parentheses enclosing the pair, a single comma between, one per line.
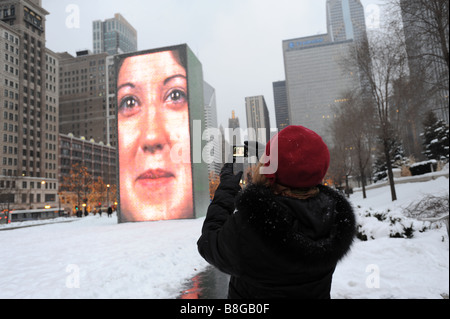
(389,169)
(363,179)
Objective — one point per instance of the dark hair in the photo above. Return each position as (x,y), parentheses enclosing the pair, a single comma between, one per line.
(176,52)
(298,193)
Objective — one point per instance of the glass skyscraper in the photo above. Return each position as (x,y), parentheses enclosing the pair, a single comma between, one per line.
(316,79)
(258,120)
(114,36)
(281,104)
(345,20)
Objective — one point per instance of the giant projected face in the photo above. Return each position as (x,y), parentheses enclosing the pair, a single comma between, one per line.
(153,120)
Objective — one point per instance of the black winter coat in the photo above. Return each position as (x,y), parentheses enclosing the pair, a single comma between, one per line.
(274,246)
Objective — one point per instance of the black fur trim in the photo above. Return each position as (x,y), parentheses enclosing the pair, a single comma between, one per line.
(277,224)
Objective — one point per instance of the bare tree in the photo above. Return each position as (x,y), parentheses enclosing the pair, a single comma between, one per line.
(410,106)
(342,165)
(11,193)
(8,189)
(354,125)
(381,61)
(78,182)
(427,21)
(425,32)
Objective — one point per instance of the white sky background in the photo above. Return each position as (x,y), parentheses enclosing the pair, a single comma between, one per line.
(239,42)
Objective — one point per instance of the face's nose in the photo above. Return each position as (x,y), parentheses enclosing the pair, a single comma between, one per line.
(154,135)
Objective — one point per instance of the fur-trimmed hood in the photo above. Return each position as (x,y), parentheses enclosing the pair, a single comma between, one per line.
(315,230)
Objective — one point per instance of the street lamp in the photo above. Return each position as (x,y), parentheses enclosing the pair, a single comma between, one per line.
(107,194)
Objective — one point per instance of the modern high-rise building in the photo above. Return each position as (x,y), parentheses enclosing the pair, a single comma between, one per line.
(234,128)
(316,79)
(88,82)
(345,20)
(83,95)
(114,36)
(280,104)
(29,104)
(213,146)
(423,49)
(258,120)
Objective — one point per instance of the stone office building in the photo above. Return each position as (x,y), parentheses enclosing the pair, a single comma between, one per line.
(29,108)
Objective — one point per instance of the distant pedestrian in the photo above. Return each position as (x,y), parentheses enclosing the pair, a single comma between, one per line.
(282,236)
(110,211)
(100,211)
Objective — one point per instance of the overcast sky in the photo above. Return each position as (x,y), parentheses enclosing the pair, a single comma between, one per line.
(237,41)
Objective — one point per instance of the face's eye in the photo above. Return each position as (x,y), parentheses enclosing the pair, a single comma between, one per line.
(176,95)
(128,105)
(130,102)
(176,98)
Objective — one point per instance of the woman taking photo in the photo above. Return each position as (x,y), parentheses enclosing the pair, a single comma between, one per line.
(282,236)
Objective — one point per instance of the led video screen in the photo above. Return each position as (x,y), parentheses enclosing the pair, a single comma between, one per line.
(159,98)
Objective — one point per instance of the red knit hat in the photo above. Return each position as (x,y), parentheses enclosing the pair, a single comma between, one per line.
(303,157)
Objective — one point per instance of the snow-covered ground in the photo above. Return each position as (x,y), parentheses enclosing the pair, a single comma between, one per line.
(94,257)
(396,267)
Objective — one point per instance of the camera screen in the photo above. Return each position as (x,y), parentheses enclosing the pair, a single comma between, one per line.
(239,151)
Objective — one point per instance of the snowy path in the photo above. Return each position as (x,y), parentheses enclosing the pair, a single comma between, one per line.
(98,258)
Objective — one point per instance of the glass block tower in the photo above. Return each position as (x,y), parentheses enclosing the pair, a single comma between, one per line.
(315,76)
(345,20)
(114,36)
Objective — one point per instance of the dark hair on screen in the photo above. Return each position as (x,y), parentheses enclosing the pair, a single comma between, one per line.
(177,54)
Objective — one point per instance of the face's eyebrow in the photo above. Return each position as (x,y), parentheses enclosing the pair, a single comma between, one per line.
(131,85)
(167,80)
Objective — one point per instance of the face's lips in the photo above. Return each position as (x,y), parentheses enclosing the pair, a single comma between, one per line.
(155,174)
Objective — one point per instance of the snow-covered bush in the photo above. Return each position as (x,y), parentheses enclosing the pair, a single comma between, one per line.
(428,206)
(423,167)
(435,138)
(374,224)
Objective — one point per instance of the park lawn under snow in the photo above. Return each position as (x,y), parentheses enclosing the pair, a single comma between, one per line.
(95,257)
(396,267)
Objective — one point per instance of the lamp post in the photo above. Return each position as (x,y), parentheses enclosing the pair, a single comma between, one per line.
(107,194)
(42,191)
(8,214)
